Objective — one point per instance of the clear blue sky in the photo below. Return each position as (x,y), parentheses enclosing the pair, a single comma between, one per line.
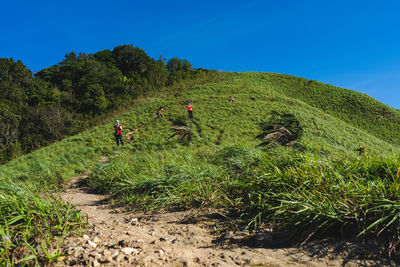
(351,44)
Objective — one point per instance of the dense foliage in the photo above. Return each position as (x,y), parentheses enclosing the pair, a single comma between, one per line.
(76,93)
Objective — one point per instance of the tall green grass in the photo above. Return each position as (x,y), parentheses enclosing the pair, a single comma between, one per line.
(305,194)
(29,223)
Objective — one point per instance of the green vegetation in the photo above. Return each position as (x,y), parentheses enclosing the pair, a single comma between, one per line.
(77,93)
(28,224)
(313,185)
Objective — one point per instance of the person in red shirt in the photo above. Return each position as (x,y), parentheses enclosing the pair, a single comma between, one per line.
(118,132)
(190,111)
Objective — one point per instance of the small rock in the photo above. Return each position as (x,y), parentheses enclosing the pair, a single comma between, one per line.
(114,254)
(106,252)
(95,263)
(134,221)
(160,251)
(146,261)
(122,243)
(86,237)
(130,233)
(129,251)
(119,258)
(106,259)
(183,261)
(95,254)
(162,239)
(96,239)
(92,244)
(78,249)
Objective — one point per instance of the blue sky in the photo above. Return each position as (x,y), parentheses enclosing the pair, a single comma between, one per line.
(351,44)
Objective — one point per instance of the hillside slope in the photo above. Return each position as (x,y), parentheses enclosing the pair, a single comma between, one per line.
(319,179)
(357,109)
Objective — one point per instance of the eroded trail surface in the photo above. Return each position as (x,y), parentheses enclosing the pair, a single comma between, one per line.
(117,238)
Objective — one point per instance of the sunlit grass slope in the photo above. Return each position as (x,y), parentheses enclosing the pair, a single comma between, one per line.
(355,108)
(317,184)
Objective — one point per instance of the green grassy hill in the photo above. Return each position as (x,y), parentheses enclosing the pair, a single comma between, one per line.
(316,184)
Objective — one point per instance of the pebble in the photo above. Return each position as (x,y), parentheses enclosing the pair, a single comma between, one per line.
(92,244)
(96,240)
(146,261)
(78,249)
(106,259)
(95,263)
(119,258)
(130,233)
(114,254)
(129,251)
(95,254)
(86,237)
(122,243)
(134,221)
(161,252)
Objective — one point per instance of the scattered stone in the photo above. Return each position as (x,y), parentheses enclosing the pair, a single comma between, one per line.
(86,237)
(106,259)
(146,261)
(182,261)
(135,221)
(129,251)
(130,233)
(78,249)
(122,243)
(95,263)
(162,239)
(106,252)
(114,254)
(95,254)
(92,244)
(119,258)
(96,240)
(160,251)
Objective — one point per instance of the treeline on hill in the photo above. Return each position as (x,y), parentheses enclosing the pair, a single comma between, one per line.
(64,99)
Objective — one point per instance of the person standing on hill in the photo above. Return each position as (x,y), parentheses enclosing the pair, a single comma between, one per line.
(190,111)
(231,99)
(118,132)
(160,113)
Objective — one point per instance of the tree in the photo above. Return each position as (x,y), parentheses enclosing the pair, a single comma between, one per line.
(130,59)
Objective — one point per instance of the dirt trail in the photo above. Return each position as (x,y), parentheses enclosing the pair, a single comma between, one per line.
(117,238)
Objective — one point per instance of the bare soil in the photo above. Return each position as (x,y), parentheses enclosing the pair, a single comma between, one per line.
(119,238)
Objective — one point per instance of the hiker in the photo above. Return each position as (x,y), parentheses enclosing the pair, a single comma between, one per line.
(118,132)
(160,112)
(231,99)
(190,111)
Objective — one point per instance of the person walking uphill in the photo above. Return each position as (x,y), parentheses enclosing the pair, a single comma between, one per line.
(190,111)
(118,132)
(159,113)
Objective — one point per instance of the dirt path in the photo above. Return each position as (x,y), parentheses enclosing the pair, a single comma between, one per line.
(171,239)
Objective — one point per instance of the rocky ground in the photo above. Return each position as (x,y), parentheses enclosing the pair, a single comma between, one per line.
(117,238)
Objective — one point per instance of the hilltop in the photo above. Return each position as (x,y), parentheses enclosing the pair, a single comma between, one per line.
(307,188)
